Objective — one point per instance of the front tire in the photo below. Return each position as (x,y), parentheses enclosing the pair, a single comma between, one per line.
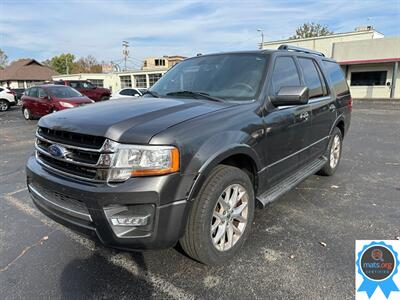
(334,153)
(221,217)
(4,105)
(27,114)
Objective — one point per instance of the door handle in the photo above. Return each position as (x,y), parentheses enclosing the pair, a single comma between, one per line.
(304,116)
(332,107)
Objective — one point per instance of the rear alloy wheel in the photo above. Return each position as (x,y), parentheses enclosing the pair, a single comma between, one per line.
(27,114)
(4,105)
(334,153)
(220,217)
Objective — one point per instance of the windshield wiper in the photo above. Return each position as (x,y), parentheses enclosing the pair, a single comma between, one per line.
(154,94)
(195,94)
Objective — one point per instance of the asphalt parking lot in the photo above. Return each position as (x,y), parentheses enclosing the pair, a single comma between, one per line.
(301,246)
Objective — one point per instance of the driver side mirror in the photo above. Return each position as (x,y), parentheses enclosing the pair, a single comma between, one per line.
(291,95)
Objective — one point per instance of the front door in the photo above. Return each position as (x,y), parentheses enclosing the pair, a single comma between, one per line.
(43,103)
(89,90)
(286,128)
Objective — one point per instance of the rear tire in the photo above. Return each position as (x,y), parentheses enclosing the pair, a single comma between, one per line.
(4,105)
(27,114)
(214,233)
(104,98)
(334,153)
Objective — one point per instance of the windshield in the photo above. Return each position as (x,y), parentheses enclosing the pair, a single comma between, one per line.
(225,76)
(63,92)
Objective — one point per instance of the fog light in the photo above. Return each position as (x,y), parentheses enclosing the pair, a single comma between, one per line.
(129,221)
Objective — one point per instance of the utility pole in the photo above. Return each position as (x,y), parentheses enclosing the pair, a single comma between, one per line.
(125,52)
(262,37)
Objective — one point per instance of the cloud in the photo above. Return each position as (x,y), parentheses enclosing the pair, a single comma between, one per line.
(47,28)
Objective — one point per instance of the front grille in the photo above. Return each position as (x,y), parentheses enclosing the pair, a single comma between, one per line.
(82,157)
(72,138)
(70,168)
(74,154)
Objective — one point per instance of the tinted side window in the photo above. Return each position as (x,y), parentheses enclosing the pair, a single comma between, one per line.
(126,92)
(33,92)
(284,74)
(1,89)
(41,93)
(74,85)
(336,76)
(311,77)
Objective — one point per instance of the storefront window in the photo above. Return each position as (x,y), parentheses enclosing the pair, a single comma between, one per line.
(126,81)
(368,78)
(140,81)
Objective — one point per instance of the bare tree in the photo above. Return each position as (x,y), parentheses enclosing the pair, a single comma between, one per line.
(3,59)
(312,29)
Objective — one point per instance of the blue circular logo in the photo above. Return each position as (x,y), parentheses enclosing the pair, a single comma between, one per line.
(57,150)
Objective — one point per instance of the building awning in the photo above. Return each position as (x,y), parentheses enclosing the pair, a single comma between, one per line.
(368,61)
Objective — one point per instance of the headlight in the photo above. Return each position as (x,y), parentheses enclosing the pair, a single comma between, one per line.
(130,160)
(66,104)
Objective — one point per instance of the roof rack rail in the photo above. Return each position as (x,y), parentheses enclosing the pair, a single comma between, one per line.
(299,49)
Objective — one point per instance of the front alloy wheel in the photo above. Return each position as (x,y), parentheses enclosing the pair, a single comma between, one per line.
(26,113)
(229,217)
(220,217)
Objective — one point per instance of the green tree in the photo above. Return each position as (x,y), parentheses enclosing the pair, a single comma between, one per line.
(312,29)
(62,63)
(3,59)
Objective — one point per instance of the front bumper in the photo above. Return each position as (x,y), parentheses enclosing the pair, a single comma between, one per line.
(79,206)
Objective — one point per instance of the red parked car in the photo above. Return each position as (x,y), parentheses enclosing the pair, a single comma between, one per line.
(88,89)
(43,99)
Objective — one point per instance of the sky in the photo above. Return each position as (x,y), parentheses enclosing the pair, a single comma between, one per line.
(42,29)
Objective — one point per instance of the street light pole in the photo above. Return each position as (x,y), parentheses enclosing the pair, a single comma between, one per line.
(262,37)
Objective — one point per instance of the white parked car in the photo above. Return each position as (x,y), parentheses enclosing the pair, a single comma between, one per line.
(128,92)
(7,98)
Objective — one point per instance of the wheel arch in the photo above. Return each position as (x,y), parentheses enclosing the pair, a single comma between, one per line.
(241,156)
(340,123)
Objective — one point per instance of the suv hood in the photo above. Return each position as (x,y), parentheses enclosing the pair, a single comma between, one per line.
(128,121)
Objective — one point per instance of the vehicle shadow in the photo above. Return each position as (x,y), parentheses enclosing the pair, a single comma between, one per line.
(95,278)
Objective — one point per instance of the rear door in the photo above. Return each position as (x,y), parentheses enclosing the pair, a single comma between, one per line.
(287,127)
(32,101)
(322,105)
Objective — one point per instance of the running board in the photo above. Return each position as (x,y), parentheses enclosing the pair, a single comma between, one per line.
(289,183)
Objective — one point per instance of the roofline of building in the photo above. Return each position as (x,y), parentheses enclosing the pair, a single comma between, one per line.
(112,73)
(323,37)
(368,61)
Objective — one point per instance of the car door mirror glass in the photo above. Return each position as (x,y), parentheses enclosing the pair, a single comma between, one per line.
(291,95)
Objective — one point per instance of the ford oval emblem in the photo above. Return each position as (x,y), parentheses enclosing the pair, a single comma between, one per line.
(57,151)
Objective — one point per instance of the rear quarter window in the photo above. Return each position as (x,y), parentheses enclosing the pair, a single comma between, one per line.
(336,77)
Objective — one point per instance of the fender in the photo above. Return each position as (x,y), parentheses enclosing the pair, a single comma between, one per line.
(338,119)
(218,157)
